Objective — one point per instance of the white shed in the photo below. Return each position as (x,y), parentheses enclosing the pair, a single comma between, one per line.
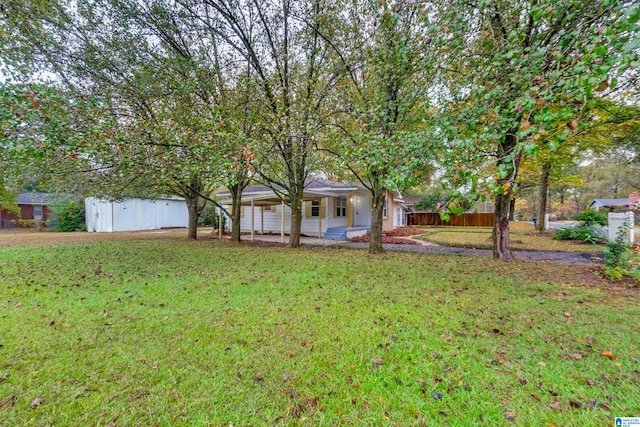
(103,215)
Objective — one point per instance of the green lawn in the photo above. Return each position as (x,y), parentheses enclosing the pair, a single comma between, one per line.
(522,236)
(167,332)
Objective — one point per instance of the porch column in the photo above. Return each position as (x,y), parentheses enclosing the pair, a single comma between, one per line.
(320,220)
(349,211)
(219,222)
(262,220)
(252,220)
(282,225)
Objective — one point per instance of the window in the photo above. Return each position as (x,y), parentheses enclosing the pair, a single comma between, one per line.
(341,206)
(37,212)
(315,208)
(384,207)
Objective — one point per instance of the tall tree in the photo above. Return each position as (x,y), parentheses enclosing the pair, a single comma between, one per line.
(516,69)
(285,44)
(381,125)
(142,62)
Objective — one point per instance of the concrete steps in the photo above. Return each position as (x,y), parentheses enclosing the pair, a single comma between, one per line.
(343,233)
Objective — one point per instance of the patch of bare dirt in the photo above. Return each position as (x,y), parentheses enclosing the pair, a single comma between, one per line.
(546,233)
(244,241)
(22,237)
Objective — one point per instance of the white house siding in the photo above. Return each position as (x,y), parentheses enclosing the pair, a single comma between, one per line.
(135,214)
(273,219)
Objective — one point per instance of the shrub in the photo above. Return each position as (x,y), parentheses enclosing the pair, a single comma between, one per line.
(210,218)
(620,258)
(589,230)
(68,215)
(584,233)
(30,223)
(592,217)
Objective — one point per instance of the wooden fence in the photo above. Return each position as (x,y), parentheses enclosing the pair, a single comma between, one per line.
(465,220)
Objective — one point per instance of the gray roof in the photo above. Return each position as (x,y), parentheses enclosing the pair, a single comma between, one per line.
(610,202)
(36,198)
(310,184)
(411,199)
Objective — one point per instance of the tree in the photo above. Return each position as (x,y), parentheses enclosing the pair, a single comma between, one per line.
(286,46)
(380,134)
(140,63)
(518,69)
(42,128)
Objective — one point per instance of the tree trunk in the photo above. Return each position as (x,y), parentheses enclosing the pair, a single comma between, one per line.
(510,159)
(296,222)
(236,199)
(501,249)
(375,239)
(192,206)
(542,195)
(512,209)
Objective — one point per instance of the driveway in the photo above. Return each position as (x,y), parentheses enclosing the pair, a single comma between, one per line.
(582,258)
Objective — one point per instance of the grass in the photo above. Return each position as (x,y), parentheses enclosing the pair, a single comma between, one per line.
(167,332)
(523,237)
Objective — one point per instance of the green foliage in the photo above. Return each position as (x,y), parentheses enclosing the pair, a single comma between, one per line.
(210,217)
(30,223)
(620,258)
(68,215)
(589,230)
(585,233)
(592,217)
(429,202)
(525,73)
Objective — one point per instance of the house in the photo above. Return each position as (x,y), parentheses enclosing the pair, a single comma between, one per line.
(33,206)
(102,215)
(394,213)
(330,210)
(613,204)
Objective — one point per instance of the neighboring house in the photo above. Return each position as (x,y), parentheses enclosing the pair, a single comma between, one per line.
(330,210)
(613,204)
(135,214)
(33,206)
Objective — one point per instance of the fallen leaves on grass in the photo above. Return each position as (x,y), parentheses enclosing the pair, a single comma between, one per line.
(555,406)
(576,405)
(575,356)
(36,402)
(522,381)
(609,355)
(510,416)
(377,361)
(436,395)
(8,401)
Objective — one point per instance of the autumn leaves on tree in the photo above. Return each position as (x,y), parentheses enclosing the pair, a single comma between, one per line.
(181,97)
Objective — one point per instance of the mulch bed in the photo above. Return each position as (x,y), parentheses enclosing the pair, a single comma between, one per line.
(395,237)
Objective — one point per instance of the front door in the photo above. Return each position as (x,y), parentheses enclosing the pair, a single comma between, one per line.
(361,212)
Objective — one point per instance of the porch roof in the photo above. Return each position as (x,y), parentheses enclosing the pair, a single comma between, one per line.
(261,195)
